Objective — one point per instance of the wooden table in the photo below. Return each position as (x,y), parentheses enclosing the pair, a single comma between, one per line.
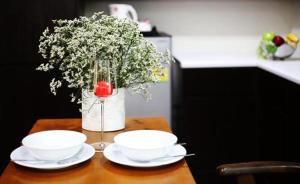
(99,169)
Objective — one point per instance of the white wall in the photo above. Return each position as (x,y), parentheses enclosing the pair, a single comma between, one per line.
(296,24)
(211,17)
(215,26)
(296,17)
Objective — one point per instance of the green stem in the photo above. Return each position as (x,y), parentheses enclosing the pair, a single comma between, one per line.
(123,56)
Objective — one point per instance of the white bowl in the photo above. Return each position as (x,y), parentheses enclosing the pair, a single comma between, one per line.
(145,145)
(54,144)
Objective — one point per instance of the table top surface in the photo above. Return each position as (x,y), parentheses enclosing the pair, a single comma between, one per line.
(98,169)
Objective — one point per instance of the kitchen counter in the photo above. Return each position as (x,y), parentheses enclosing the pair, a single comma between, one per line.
(288,69)
(238,95)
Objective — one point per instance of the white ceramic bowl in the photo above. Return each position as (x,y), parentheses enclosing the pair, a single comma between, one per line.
(145,145)
(54,144)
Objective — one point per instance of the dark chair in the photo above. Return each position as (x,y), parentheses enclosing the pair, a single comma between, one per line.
(245,172)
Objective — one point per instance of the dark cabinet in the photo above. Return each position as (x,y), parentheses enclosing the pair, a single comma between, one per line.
(25,21)
(26,97)
(293,118)
(272,114)
(279,118)
(25,93)
(219,118)
(236,115)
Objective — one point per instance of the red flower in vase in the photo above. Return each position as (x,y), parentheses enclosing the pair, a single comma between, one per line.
(103,89)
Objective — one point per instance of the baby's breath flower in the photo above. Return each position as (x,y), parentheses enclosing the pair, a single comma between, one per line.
(72,46)
(54,84)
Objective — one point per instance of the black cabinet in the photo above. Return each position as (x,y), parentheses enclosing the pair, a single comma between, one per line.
(25,93)
(279,118)
(236,115)
(219,118)
(292,128)
(26,97)
(272,114)
(24,23)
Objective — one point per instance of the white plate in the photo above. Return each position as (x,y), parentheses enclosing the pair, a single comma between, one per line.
(21,153)
(113,154)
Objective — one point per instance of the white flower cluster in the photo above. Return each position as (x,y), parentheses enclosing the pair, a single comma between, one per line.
(73,45)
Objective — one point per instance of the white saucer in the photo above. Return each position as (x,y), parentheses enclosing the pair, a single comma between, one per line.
(21,153)
(113,154)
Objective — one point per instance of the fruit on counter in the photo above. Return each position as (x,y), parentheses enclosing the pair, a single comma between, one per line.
(292,40)
(292,37)
(278,40)
(275,47)
(271,47)
(268,36)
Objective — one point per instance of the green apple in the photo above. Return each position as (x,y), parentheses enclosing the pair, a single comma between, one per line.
(271,47)
(268,36)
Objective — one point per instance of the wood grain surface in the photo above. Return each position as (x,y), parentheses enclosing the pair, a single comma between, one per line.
(98,169)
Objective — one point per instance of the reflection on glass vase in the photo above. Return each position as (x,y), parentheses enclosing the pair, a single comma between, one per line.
(114,112)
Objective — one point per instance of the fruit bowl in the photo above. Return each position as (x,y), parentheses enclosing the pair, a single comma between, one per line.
(275,47)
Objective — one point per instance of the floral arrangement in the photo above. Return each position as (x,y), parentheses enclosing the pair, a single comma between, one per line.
(72,46)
